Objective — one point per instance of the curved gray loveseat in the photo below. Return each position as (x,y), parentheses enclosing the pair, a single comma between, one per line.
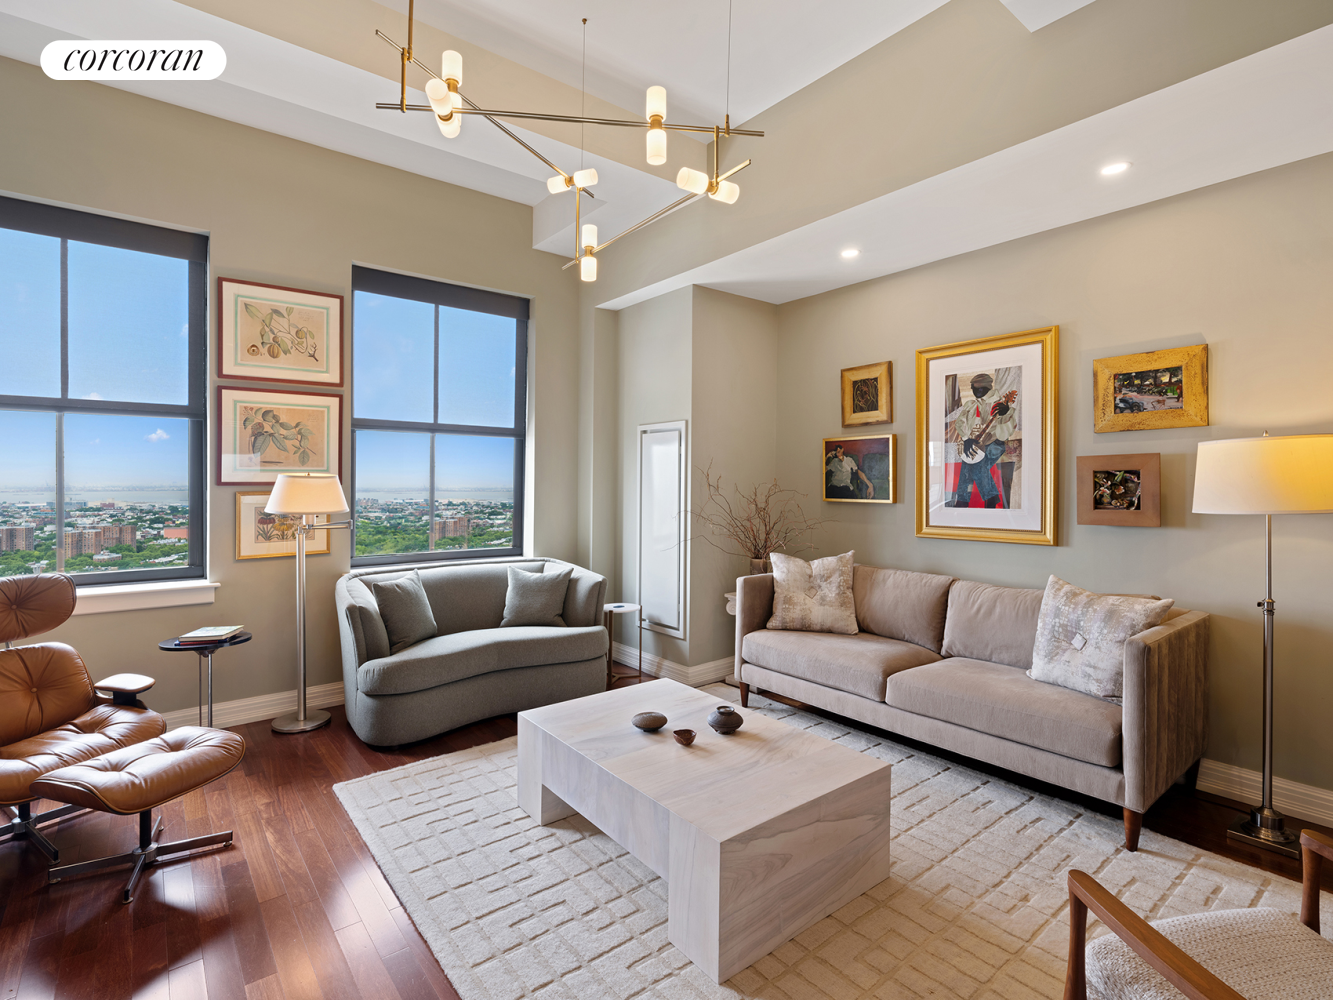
(471,669)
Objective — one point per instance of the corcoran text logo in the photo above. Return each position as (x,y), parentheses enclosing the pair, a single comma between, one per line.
(129,60)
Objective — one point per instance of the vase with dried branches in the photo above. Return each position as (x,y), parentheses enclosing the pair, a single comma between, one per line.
(763,519)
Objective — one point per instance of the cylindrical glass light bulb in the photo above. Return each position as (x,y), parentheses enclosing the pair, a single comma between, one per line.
(585,178)
(726,192)
(656,103)
(437,92)
(450,128)
(694,181)
(588,236)
(656,147)
(557,184)
(588,267)
(451,66)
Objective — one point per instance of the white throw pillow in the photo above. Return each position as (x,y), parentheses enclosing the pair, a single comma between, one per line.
(813,596)
(1081,637)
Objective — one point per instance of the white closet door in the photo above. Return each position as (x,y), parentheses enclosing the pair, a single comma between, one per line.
(663,523)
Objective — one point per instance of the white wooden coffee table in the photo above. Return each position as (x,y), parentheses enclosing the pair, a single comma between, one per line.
(758,834)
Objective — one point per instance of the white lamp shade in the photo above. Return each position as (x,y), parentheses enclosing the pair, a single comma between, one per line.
(588,235)
(657,154)
(588,267)
(694,181)
(655,103)
(726,192)
(450,129)
(307,493)
(1265,475)
(451,66)
(557,184)
(585,178)
(441,101)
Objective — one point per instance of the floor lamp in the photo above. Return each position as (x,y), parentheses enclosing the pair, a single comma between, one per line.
(1265,475)
(307,495)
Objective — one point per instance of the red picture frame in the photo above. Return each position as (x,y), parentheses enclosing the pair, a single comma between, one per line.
(237,359)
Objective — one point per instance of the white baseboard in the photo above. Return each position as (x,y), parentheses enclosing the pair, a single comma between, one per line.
(659,666)
(1290,797)
(259,708)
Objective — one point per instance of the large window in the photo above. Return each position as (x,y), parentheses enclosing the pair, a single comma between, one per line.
(439,394)
(102,383)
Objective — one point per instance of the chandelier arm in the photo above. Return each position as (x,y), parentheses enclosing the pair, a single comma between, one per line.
(680,203)
(579,119)
(734,170)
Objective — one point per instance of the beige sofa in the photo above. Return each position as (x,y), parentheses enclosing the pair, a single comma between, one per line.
(943,661)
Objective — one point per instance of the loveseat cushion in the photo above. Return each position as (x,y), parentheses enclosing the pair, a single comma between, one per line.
(857,664)
(464,598)
(448,658)
(995,624)
(900,604)
(998,700)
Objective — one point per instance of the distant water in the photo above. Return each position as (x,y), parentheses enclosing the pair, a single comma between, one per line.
(76,497)
(423,493)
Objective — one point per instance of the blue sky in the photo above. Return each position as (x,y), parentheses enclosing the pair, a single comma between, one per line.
(99,450)
(401,460)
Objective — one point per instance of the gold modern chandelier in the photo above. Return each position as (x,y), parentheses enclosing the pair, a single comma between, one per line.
(449,105)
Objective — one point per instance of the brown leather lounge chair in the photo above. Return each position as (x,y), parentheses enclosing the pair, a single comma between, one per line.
(50,714)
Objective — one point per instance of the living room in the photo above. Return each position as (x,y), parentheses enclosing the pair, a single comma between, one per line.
(1132,199)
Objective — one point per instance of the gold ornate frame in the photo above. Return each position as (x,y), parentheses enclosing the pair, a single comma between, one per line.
(893,468)
(1194,362)
(883,372)
(1049,340)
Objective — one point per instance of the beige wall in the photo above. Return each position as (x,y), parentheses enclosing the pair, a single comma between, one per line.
(286,213)
(1245,267)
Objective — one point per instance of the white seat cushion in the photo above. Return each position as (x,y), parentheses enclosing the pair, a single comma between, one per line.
(1262,954)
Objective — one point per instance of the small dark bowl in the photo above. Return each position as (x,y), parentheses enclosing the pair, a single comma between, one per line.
(649,722)
(684,736)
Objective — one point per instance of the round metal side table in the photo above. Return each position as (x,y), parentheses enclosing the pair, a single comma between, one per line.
(205,651)
(620,608)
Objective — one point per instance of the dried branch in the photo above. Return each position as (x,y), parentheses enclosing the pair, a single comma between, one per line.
(764,519)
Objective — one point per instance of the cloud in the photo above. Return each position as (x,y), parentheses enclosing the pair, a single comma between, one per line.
(95,441)
(93,395)
(185,329)
(157,435)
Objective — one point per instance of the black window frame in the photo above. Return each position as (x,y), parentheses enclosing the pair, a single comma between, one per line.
(442,293)
(68,224)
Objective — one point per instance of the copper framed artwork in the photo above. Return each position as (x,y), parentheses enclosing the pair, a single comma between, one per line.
(861,469)
(1122,490)
(867,395)
(265,432)
(986,438)
(269,333)
(1139,392)
(261,535)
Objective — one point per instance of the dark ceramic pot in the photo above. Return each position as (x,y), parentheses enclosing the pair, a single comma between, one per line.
(725,720)
(684,736)
(649,722)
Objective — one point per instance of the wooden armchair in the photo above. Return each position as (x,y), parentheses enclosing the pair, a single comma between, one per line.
(1256,954)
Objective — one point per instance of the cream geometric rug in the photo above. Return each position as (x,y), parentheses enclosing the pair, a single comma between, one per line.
(975,906)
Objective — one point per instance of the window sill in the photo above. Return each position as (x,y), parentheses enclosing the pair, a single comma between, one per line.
(140,596)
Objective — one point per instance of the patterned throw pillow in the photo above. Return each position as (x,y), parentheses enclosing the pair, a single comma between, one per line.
(813,596)
(1081,637)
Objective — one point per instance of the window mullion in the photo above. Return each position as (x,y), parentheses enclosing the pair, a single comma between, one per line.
(60,493)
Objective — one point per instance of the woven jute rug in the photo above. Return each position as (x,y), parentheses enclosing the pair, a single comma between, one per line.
(975,907)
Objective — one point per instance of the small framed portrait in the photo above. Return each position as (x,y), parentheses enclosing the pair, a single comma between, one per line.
(861,469)
(867,395)
(268,333)
(986,424)
(1139,392)
(262,433)
(260,535)
(1121,490)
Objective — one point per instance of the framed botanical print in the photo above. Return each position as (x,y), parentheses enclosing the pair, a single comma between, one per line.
(268,333)
(263,433)
(1139,392)
(861,469)
(986,438)
(867,395)
(1122,490)
(260,535)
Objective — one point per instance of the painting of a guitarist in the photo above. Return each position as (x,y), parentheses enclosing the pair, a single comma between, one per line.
(983,425)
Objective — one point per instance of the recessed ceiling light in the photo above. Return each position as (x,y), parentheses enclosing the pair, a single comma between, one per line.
(1114,168)
(850,252)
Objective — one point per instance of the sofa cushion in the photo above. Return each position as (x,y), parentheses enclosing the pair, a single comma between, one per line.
(995,624)
(536,598)
(813,596)
(404,609)
(857,664)
(465,597)
(996,699)
(448,658)
(900,604)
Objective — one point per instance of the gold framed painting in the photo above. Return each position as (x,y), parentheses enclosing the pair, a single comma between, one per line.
(861,469)
(260,535)
(867,395)
(1139,392)
(987,414)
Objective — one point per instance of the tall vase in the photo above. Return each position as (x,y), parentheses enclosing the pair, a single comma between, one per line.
(758,566)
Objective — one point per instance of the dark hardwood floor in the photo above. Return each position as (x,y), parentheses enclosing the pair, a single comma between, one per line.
(296,907)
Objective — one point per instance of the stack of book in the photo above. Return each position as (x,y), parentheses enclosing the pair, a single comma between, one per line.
(209,635)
